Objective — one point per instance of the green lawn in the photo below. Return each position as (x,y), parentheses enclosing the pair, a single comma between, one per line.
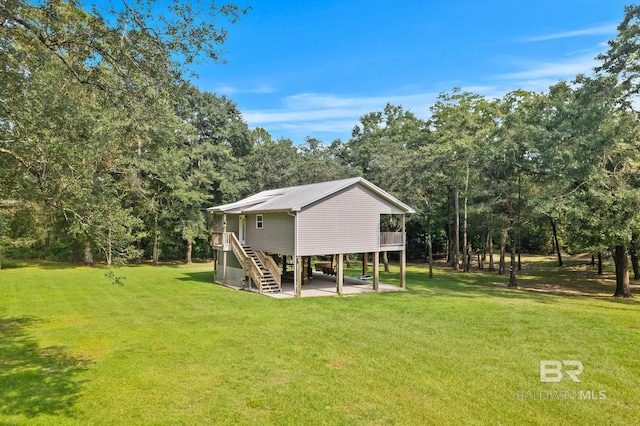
(170,348)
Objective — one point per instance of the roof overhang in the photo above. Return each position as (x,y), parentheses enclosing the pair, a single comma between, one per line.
(294,199)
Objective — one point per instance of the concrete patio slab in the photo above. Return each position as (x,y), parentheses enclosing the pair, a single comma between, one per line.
(325,285)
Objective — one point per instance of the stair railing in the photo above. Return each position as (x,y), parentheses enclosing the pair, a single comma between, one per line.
(271,266)
(249,265)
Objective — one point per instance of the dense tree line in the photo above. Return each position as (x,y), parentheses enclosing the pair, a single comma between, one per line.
(107,151)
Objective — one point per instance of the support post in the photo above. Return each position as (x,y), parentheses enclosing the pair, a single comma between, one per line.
(365,263)
(224,267)
(403,255)
(340,274)
(215,264)
(376,271)
(297,280)
(224,253)
(403,269)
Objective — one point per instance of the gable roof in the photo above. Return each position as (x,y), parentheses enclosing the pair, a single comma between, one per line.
(295,198)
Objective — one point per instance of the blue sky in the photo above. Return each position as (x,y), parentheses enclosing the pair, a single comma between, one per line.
(312,68)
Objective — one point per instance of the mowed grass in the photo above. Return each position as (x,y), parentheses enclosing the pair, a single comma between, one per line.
(170,348)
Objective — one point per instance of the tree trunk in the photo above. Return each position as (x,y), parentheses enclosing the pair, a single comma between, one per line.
(599,263)
(109,253)
(512,268)
(492,266)
(555,240)
(465,242)
(446,249)
(385,261)
(88,254)
(450,255)
(429,247)
(519,245)
(430,257)
(633,251)
(139,247)
(155,241)
(467,255)
(189,250)
(622,272)
(156,249)
(483,257)
(503,249)
(518,224)
(456,231)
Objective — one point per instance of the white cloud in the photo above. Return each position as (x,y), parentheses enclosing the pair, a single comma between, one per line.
(317,101)
(555,70)
(593,31)
(331,114)
(227,89)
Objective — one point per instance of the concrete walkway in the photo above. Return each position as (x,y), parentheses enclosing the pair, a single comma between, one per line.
(325,285)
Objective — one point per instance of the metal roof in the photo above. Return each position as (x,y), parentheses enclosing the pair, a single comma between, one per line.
(295,198)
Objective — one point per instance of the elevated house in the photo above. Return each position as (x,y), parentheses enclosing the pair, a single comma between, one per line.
(274,233)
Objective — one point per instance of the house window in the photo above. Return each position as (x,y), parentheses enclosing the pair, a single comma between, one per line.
(259,221)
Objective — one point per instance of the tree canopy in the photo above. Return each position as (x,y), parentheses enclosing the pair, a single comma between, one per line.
(108,152)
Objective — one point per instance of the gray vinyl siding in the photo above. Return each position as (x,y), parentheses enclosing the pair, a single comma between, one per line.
(276,236)
(346,222)
(233,223)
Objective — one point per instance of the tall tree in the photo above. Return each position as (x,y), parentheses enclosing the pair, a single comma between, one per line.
(272,164)
(77,91)
(385,145)
(213,145)
(506,166)
(598,178)
(621,59)
(461,124)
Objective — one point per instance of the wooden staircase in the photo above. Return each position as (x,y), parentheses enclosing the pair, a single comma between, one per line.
(259,267)
(268,282)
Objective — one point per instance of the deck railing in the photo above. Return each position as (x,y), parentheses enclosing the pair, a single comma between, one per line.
(221,239)
(392,239)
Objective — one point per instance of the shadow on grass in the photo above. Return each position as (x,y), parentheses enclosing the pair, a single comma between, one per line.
(42,264)
(54,265)
(200,277)
(542,284)
(35,380)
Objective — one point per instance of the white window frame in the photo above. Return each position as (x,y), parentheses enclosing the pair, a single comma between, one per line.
(259,221)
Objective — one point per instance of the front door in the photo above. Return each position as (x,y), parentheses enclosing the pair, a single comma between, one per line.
(242,230)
